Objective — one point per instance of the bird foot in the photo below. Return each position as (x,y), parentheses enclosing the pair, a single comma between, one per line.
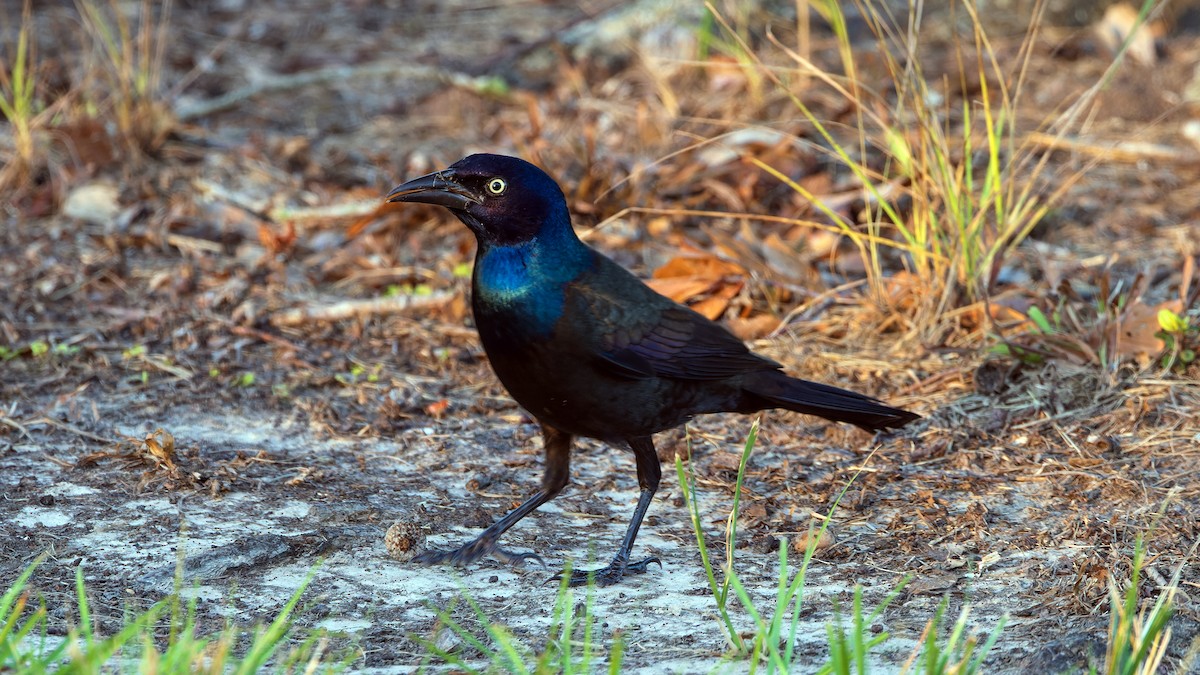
(606,576)
(474,550)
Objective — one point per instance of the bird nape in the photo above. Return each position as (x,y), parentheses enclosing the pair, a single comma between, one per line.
(589,350)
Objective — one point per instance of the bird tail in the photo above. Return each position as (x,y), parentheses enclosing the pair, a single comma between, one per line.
(773,389)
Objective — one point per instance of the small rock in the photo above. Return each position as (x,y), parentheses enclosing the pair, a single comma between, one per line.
(94,203)
(764,544)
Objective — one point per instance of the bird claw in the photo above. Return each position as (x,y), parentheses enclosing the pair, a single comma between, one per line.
(474,550)
(606,576)
(511,558)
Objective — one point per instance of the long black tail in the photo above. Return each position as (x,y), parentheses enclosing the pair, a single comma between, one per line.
(777,390)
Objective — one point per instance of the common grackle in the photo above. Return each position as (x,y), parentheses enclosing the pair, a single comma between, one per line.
(589,350)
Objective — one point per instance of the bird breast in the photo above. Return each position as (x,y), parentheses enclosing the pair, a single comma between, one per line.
(511,294)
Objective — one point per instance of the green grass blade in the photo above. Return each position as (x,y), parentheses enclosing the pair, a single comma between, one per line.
(266,642)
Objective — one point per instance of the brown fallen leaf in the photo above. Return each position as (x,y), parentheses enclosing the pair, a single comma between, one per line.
(716,304)
(437,408)
(753,327)
(1119,23)
(686,277)
(161,446)
(705,266)
(1137,335)
(681,289)
(824,540)
(1008,310)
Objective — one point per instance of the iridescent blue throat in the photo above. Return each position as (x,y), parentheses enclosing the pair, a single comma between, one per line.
(531,275)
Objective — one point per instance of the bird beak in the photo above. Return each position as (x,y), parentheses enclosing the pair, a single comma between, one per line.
(438,188)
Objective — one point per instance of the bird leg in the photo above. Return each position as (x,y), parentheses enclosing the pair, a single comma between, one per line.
(554,479)
(649,475)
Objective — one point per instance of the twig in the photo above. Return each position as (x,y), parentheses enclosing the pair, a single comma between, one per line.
(1123,151)
(14,424)
(185,243)
(261,210)
(71,428)
(358,308)
(327,211)
(247,331)
(488,85)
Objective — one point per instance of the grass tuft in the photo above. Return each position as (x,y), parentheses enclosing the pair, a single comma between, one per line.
(950,191)
(19,104)
(26,646)
(774,638)
(571,645)
(959,653)
(1137,640)
(131,60)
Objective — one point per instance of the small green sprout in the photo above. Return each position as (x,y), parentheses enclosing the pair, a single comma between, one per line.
(66,350)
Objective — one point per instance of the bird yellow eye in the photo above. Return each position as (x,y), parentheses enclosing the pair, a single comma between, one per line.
(497,186)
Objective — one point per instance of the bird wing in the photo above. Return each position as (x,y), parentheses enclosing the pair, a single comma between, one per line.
(651,336)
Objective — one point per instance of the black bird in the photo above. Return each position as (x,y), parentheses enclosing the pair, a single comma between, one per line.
(589,350)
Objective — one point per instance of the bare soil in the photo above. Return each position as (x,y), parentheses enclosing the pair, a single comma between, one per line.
(178,412)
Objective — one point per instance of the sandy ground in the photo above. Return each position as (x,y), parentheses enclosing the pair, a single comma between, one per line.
(1020,495)
(297,498)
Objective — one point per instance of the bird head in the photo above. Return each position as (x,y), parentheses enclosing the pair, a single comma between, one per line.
(503,200)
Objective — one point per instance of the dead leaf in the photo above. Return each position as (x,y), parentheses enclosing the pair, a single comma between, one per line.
(904,289)
(706,266)
(725,74)
(782,259)
(715,305)
(1119,23)
(276,241)
(437,408)
(1137,335)
(1008,310)
(303,475)
(161,446)
(688,276)
(88,141)
(753,515)
(754,327)
(824,540)
(681,289)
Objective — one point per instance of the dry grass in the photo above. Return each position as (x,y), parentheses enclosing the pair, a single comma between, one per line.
(86,109)
(881,251)
(123,71)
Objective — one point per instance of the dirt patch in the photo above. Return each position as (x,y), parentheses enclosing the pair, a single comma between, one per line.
(170,412)
(305,497)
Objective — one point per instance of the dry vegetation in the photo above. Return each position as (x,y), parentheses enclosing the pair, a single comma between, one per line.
(990,224)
